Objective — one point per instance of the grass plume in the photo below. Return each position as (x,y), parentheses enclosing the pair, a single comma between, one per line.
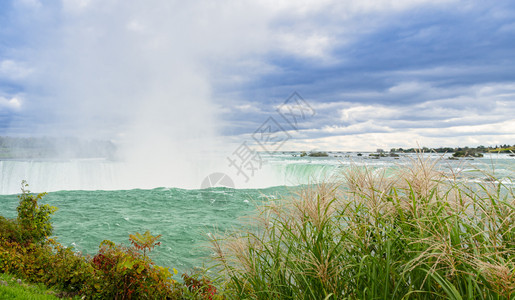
(417,233)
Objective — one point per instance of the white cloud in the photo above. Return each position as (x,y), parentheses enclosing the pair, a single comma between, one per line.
(345,8)
(30,3)
(366,126)
(370,141)
(13,103)
(13,70)
(136,26)
(307,46)
(76,6)
(504,127)
(481,114)
(366,113)
(321,25)
(246,108)
(409,87)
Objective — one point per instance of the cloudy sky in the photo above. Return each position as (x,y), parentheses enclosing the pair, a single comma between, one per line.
(374,73)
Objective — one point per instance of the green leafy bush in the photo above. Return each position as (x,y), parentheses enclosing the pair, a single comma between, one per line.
(26,251)
(10,230)
(33,222)
(33,219)
(115,272)
(49,263)
(121,272)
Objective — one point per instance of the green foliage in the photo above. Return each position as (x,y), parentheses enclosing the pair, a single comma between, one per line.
(318,154)
(123,273)
(480,149)
(34,219)
(33,222)
(48,263)
(467,153)
(10,230)
(503,149)
(115,272)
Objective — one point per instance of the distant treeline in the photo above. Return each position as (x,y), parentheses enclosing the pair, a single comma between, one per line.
(49,147)
(479,149)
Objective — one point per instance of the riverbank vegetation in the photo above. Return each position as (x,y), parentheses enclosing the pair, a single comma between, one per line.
(479,149)
(416,233)
(115,272)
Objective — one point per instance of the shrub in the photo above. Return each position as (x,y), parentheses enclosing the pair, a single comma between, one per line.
(33,222)
(121,272)
(33,219)
(467,153)
(49,263)
(318,154)
(200,287)
(115,272)
(9,229)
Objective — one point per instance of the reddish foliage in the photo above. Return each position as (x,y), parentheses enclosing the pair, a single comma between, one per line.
(202,287)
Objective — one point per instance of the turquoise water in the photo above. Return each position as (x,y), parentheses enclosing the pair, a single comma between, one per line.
(184,217)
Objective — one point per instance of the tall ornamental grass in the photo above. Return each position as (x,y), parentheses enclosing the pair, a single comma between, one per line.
(418,233)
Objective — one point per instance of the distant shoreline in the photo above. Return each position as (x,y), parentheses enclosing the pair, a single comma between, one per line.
(76,148)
